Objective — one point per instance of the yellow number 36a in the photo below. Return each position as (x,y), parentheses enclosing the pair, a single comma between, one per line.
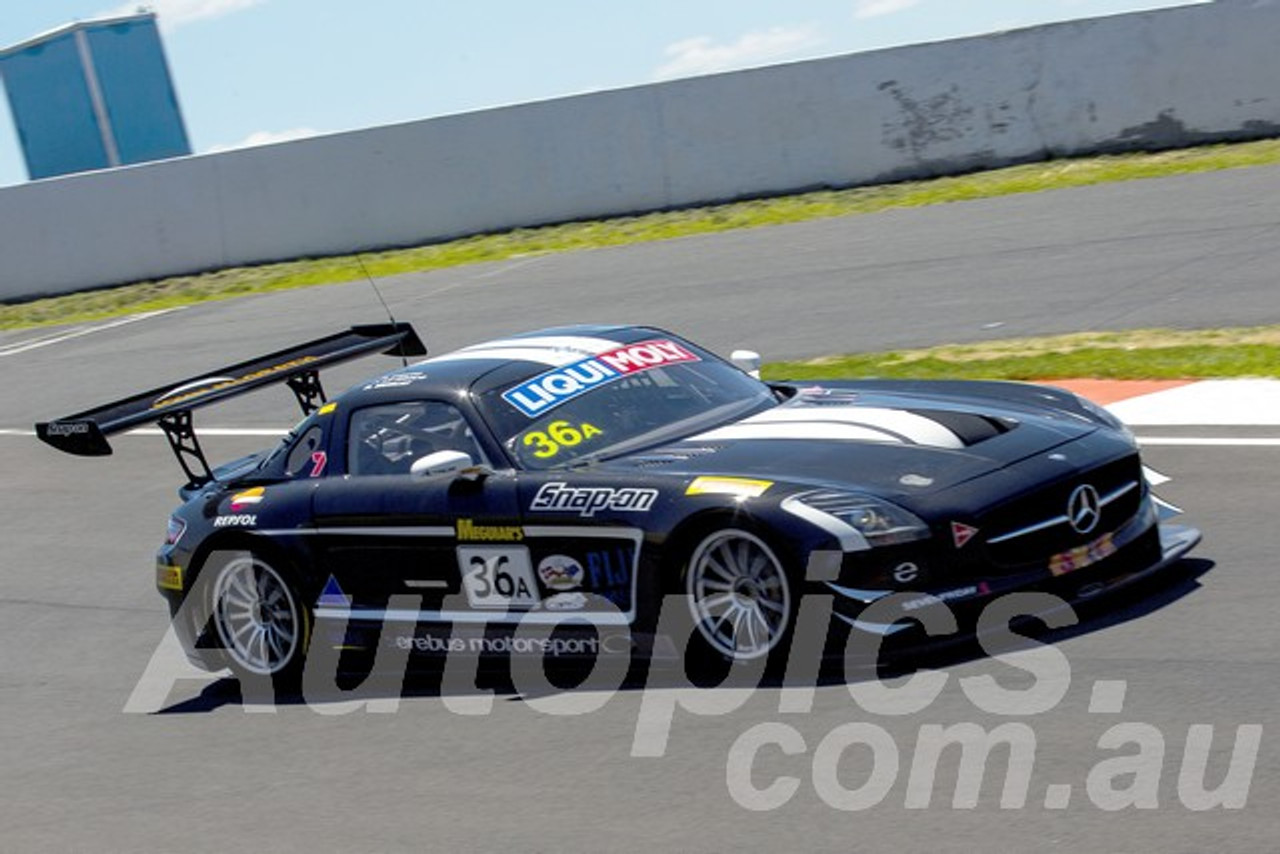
(559,434)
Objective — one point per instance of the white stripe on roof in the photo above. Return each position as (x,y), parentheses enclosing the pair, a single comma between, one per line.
(553,350)
(582,344)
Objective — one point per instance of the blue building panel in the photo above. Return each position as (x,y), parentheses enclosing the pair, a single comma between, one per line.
(93,95)
(52,108)
(139,96)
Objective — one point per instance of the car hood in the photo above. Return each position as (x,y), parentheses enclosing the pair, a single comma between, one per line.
(889,444)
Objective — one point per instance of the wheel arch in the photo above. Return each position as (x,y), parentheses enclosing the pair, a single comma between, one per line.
(262,549)
(692,530)
(249,541)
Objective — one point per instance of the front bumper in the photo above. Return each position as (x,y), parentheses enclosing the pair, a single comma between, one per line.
(1167,543)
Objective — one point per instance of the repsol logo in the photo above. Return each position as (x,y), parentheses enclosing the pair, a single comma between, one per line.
(470,531)
(588,501)
(554,387)
(235,521)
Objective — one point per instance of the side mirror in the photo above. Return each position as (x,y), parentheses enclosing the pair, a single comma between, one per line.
(748,361)
(441,463)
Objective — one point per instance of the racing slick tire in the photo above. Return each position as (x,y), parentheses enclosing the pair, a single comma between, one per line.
(261,623)
(742,602)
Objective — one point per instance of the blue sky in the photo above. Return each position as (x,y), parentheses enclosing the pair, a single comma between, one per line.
(254,71)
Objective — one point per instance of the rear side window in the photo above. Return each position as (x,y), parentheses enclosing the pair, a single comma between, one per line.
(307,457)
(387,439)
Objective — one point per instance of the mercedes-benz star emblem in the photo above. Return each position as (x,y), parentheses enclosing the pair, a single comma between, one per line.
(1084,509)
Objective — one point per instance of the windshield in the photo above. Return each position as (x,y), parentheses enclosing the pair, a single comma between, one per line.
(606,405)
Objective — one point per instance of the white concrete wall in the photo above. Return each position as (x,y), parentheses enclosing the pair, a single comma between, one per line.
(1154,79)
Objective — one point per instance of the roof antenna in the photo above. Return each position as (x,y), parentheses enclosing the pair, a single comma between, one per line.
(359,260)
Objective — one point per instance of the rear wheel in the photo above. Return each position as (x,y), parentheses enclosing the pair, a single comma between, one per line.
(739,596)
(262,625)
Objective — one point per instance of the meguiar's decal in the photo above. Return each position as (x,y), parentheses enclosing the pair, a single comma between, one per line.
(199,388)
(739,487)
(560,385)
(559,434)
(469,531)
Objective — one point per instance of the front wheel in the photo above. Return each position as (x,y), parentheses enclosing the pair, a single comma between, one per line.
(739,595)
(261,623)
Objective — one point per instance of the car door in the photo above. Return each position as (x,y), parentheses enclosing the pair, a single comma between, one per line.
(453,542)
(585,532)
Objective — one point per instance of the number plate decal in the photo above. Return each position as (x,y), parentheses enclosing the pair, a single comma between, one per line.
(498,577)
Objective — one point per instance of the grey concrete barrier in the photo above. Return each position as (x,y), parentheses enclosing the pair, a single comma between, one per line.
(1146,80)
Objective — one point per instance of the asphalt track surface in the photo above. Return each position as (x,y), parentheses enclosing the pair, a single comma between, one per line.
(80,620)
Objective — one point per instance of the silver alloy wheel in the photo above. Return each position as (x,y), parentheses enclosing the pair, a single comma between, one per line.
(738,594)
(256,615)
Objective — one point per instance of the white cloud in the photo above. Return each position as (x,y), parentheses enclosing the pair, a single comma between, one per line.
(880,8)
(175,13)
(701,55)
(265,137)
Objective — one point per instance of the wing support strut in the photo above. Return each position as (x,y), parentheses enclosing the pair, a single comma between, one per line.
(184,443)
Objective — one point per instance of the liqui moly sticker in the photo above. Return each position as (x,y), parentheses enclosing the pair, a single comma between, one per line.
(548,390)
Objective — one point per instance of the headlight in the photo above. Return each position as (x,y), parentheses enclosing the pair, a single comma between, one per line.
(876,521)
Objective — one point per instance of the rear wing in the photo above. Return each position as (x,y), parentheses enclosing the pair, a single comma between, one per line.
(85,433)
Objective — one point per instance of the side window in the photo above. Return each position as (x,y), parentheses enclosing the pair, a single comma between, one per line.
(387,439)
(307,457)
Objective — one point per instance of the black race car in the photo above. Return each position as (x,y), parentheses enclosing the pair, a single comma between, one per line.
(546,493)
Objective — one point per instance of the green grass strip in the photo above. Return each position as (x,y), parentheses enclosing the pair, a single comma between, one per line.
(1139,355)
(239,281)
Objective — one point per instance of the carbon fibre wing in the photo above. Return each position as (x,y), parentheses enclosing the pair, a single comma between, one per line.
(170,406)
